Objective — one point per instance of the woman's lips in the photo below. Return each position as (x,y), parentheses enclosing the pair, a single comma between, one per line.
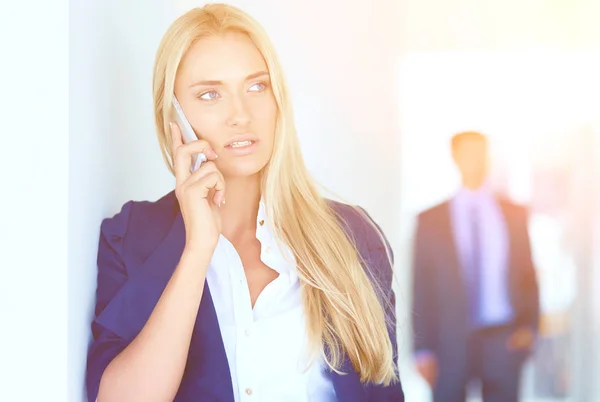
(241,148)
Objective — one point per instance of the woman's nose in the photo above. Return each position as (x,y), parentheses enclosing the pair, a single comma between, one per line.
(240,115)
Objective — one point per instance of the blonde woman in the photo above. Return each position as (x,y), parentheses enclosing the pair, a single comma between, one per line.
(243,284)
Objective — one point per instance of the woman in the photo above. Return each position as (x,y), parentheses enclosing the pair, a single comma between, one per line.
(243,283)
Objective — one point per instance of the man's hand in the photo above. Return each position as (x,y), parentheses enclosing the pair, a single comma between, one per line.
(522,339)
(427,366)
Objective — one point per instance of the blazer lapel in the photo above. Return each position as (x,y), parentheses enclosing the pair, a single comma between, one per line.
(451,274)
(507,213)
(449,242)
(207,356)
(512,234)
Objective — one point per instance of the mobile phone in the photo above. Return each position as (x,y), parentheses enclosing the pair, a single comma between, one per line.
(188,134)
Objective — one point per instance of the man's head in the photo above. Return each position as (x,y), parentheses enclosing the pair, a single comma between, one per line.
(471,155)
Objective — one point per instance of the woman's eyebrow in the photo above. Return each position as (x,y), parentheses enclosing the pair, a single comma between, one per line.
(256,75)
(218,82)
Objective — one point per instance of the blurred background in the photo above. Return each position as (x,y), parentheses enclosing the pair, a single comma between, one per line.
(379,88)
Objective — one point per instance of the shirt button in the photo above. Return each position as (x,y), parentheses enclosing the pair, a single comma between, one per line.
(268,250)
(249,391)
(248,332)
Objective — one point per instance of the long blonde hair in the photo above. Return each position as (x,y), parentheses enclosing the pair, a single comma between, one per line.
(343,311)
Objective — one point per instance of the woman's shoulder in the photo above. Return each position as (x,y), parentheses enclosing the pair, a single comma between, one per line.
(360,226)
(134,213)
(144,221)
(125,272)
(357,221)
(371,243)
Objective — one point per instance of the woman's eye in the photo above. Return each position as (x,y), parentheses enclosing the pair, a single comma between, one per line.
(260,86)
(210,95)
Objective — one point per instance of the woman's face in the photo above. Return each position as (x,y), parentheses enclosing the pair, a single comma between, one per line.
(224,88)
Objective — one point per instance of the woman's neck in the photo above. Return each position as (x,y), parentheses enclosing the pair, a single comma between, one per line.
(238,214)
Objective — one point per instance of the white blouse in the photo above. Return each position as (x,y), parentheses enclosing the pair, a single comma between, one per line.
(266,346)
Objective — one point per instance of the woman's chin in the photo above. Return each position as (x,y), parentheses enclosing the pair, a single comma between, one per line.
(240,169)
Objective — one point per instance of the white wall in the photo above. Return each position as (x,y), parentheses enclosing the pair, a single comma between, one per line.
(492,25)
(595,311)
(339,58)
(113,153)
(33,201)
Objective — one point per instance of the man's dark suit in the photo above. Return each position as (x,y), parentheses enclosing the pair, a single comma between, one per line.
(440,308)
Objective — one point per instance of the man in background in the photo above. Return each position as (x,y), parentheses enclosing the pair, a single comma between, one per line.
(475,295)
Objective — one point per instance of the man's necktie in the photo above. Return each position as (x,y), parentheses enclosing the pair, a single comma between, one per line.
(475,268)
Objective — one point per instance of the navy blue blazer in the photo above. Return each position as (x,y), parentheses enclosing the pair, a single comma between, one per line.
(139,250)
(440,309)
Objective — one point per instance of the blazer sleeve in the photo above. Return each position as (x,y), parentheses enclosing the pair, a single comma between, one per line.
(107,343)
(424,298)
(528,281)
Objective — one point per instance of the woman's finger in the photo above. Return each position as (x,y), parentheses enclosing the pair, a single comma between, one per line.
(211,181)
(180,161)
(182,153)
(209,168)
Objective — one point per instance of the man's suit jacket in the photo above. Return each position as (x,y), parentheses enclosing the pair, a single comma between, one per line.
(139,250)
(440,310)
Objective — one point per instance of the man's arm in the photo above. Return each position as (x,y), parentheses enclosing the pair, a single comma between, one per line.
(529,286)
(424,298)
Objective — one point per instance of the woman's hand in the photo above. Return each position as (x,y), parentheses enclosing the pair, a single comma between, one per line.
(200,194)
